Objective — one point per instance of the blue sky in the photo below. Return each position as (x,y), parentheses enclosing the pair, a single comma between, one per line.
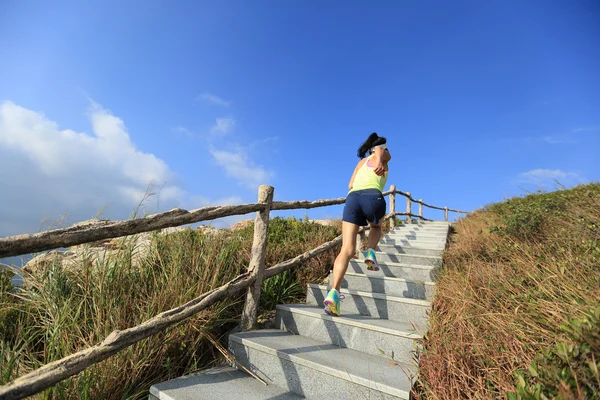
(478,100)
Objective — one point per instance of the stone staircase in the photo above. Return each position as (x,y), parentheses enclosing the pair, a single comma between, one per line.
(367,353)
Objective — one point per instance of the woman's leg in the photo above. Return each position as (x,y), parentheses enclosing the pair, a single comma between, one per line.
(349,232)
(332,301)
(375,235)
(375,210)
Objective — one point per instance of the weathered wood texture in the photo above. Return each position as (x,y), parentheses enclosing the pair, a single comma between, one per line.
(413,215)
(257,258)
(392,204)
(408,208)
(421,208)
(293,205)
(408,196)
(96,229)
(93,230)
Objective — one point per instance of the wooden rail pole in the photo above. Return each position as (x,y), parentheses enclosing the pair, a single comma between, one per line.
(421,209)
(446,214)
(392,205)
(257,258)
(408,209)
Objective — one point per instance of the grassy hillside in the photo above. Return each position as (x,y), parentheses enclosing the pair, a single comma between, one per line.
(517,313)
(66,310)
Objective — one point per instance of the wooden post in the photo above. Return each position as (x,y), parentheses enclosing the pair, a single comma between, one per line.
(421,209)
(361,243)
(446,214)
(392,206)
(257,258)
(408,209)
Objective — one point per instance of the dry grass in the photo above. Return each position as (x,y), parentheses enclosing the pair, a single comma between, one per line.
(521,281)
(68,310)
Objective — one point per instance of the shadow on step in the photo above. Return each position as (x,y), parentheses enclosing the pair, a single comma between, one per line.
(414,290)
(218,382)
(271,373)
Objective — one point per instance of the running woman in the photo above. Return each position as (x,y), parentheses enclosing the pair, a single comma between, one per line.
(364,205)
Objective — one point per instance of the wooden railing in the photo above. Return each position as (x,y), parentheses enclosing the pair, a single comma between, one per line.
(93,230)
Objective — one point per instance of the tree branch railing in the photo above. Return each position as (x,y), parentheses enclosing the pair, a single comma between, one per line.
(90,231)
(410,200)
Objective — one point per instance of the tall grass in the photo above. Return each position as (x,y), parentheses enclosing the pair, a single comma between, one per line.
(64,310)
(517,311)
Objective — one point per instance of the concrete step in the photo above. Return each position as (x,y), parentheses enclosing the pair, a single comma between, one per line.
(415,259)
(407,271)
(437,245)
(411,311)
(354,331)
(223,383)
(413,240)
(420,235)
(417,232)
(320,370)
(423,251)
(387,285)
(430,224)
(423,226)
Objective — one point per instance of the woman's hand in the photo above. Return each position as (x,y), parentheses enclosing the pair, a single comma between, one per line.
(380,157)
(379,168)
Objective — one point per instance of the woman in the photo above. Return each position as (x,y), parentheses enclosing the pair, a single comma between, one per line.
(364,204)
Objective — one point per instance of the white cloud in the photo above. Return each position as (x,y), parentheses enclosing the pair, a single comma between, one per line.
(216,100)
(238,166)
(222,126)
(547,177)
(184,131)
(46,171)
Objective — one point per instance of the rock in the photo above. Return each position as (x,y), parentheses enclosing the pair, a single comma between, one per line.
(327,222)
(242,224)
(206,229)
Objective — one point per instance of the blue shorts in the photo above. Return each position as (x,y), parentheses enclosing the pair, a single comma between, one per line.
(364,206)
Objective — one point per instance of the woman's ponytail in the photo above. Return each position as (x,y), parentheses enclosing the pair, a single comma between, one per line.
(364,148)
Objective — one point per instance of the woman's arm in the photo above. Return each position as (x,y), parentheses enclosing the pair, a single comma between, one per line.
(360,164)
(381,157)
(382,154)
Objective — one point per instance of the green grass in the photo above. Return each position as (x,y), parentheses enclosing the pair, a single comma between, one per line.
(517,314)
(64,310)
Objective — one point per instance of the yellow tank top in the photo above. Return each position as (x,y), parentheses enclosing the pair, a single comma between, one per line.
(366,178)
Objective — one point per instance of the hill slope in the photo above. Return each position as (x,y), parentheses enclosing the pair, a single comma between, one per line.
(517,313)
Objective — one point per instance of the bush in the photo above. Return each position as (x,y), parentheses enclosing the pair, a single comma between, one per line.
(570,370)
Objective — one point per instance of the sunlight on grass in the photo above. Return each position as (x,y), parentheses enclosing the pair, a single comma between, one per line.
(63,310)
(516,314)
